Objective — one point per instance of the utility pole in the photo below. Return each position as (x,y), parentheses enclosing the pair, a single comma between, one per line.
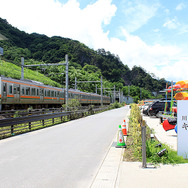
(22,68)
(114,93)
(119,96)
(75,83)
(67,81)
(101,93)
(140,93)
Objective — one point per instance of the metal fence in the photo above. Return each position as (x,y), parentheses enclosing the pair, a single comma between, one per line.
(30,121)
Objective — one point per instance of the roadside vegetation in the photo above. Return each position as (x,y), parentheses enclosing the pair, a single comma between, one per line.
(133,152)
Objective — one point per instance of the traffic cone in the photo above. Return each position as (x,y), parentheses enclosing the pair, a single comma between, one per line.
(124,129)
(120,139)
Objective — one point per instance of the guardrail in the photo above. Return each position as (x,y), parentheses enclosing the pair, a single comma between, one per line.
(18,125)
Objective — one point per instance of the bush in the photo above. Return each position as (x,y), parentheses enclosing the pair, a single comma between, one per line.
(73,105)
(135,121)
(169,157)
(116,105)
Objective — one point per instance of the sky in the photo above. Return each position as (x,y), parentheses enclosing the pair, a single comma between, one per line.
(151,34)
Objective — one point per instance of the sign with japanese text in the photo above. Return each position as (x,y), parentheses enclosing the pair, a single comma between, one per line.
(182,128)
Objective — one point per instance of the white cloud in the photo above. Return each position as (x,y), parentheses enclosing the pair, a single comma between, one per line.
(172,24)
(134,51)
(175,70)
(138,13)
(180,6)
(53,18)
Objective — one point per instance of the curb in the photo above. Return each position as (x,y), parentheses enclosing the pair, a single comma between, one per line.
(108,172)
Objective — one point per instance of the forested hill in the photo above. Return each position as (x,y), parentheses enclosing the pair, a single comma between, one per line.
(53,49)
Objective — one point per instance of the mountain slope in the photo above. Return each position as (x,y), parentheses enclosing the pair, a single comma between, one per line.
(53,49)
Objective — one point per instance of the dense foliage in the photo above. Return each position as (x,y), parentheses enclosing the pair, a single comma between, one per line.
(85,63)
(134,143)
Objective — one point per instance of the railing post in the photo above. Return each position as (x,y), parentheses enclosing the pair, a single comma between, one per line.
(143,129)
(12,129)
(29,126)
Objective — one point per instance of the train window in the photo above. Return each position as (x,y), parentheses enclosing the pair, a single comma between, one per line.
(41,92)
(4,87)
(33,91)
(27,91)
(58,93)
(10,89)
(52,93)
(48,93)
(55,94)
(14,89)
(18,89)
(37,92)
(45,93)
(23,91)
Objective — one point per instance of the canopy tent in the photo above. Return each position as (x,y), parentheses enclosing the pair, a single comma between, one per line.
(179,86)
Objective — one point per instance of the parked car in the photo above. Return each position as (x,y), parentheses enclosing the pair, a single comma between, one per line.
(159,106)
(146,107)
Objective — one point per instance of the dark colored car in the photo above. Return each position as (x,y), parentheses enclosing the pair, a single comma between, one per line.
(158,106)
(145,108)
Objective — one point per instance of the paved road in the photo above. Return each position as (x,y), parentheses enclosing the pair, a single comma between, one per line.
(63,156)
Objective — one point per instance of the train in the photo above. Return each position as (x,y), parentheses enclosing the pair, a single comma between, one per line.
(22,94)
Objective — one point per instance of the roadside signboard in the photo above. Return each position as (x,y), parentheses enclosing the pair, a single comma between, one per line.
(1,51)
(182,128)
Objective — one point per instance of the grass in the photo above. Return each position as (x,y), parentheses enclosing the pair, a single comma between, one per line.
(10,70)
(133,152)
(169,157)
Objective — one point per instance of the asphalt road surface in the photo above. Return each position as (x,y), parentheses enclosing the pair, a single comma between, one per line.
(63,156)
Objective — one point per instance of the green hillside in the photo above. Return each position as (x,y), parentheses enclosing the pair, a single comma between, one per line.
(85,63)
(11,70)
